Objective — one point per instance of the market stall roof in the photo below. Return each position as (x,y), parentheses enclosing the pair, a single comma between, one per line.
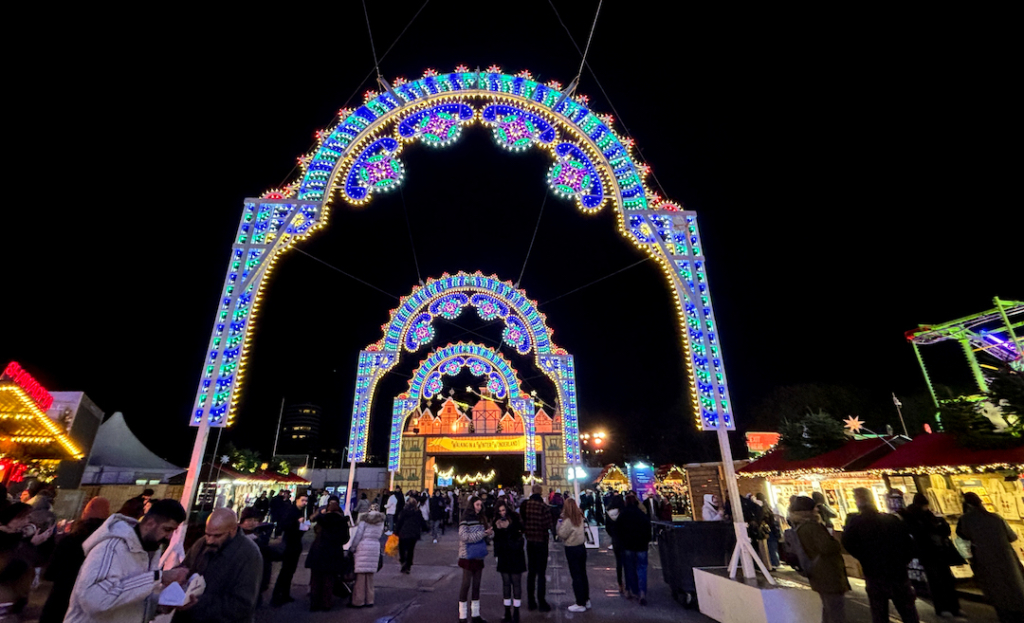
(26,432)
(611,469)
(669,470)
(292,478)
(939,452)
(853,456)
(117,446)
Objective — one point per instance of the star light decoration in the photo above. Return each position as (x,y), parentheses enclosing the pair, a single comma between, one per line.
(853,424)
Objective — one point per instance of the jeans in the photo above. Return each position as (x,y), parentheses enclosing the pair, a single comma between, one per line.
(434,526)
(635,564)
(391,523)
(537,566)
(773,551)
(880,591)
(576,557)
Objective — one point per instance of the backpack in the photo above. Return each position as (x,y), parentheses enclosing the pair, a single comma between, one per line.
(793,545)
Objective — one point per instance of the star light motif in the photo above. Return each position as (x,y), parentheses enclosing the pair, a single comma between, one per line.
(853,423)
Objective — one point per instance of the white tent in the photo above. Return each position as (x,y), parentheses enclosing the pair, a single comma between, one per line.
(118,457)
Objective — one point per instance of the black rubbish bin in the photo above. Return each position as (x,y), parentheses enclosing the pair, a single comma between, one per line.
(683,546)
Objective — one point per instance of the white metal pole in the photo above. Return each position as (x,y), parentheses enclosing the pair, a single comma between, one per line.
(277,433)
(575,482)
(188,495)
(737,508)
(348,492)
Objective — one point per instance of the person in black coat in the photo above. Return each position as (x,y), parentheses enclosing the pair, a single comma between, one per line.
(326,558)
(408,527)
(634,534)
(883,545)
(615,505)
(935,552)
(292,526)
(509,543)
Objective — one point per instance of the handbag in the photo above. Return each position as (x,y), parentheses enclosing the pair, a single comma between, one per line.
(476,551)
(391,547)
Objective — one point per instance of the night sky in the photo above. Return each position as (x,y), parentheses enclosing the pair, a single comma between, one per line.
(851,172)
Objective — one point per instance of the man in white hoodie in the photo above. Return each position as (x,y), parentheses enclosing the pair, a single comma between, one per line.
(121,575)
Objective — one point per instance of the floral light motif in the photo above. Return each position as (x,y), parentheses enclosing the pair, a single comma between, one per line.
(574,176)
(376,169)
(437,126)
(488,307)
(516,129)
(421,332)
(450,306)
(516,335)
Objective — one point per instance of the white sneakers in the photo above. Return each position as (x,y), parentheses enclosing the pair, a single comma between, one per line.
(588,604)
(435,540)
(575,608)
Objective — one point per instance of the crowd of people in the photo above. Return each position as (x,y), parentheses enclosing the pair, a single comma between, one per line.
(114,566)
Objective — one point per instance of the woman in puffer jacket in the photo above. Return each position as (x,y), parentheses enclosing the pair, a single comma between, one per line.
(365,548)
(472,529)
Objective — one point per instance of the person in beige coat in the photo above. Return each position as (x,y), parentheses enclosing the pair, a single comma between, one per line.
(572,531)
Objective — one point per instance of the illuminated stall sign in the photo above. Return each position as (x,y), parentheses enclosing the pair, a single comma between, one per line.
(17,375)
(477,445)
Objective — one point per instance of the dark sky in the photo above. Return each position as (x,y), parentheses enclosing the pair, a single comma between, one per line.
(851,171)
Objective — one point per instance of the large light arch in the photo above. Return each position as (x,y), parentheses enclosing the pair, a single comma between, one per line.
(359,156)
(448,361)
(410,326)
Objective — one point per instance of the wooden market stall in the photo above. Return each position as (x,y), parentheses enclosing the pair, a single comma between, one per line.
(942,470)
(612,477)
(834,474)
(673,487)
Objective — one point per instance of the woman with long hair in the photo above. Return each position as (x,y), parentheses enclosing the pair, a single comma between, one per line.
(508,548)
(572,531)
(473,529)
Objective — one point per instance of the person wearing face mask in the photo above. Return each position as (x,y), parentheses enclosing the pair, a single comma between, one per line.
(231,565)
(121,576)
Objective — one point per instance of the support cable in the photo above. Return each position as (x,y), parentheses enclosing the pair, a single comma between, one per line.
(335,268)
(637,263)
(336,118)
(412,243)
(534,238)
(373,48)
(605,93)
(590,38)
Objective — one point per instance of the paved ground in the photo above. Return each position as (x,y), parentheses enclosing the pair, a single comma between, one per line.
(430,594)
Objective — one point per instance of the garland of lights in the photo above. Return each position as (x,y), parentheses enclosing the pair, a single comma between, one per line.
(592,164)
(477,477)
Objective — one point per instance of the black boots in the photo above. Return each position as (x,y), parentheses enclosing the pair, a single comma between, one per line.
(508,615)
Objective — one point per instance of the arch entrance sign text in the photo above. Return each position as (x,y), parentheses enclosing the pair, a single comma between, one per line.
(361,156)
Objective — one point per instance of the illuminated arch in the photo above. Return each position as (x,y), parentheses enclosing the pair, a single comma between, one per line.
(427,381)
(410,326)
(360,156)
(447,297)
